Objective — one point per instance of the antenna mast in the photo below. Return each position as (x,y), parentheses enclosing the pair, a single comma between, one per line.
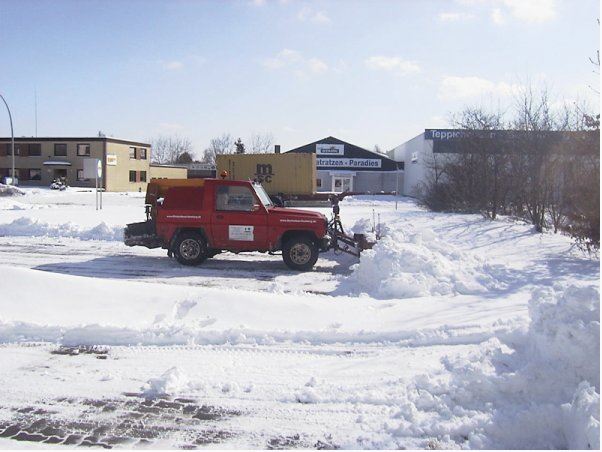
(35,94)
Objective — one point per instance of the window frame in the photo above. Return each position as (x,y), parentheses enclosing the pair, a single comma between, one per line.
(39,170)
(55,149)
(37,146)
(143,152)
(81,179)
(83,144)
(134,173)
(132,148)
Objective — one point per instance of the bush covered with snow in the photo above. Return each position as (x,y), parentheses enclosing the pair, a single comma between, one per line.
(417,265)
(10,190)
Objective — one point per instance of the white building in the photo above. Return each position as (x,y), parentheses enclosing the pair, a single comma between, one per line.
(414,154)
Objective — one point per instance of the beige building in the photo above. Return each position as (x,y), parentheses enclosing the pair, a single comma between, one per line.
(126,164)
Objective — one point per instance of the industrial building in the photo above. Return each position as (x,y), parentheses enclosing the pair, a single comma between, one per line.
(345,167)
(126,164)
(419,154)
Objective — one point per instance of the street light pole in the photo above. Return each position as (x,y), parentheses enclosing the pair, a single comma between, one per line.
(12,140)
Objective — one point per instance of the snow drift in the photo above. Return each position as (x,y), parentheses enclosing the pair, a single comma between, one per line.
(25,226)
(538,389)
(10,190)
(404,265)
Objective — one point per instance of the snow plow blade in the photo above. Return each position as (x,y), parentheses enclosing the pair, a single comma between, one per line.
(141,234)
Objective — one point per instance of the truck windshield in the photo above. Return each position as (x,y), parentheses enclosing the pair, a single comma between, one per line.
(263,196)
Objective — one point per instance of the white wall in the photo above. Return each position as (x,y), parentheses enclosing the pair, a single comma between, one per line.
(414,153)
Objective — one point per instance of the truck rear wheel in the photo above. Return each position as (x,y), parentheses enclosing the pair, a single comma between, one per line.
(300,253)
(190,248)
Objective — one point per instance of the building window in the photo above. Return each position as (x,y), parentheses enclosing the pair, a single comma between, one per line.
(142,176)
(319,182)
(80,174)
(60,149)
(83,150)
(132,176)
(132,152)
(35,174)
(19,148)
(142,153)
(34,149)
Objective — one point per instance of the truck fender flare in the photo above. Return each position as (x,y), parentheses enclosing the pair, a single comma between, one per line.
(294,233)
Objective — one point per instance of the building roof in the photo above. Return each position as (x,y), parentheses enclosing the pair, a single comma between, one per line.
(79,139)
(351,151)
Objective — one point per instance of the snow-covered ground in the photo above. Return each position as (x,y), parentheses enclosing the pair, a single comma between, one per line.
(453,332)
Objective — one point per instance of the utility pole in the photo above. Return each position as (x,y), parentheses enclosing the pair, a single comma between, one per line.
(12,140)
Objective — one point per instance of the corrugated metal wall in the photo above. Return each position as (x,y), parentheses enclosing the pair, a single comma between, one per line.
(279,173)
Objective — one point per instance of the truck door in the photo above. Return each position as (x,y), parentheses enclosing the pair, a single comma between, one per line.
(239,220)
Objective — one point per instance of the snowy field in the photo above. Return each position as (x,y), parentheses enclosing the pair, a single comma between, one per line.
(453,332)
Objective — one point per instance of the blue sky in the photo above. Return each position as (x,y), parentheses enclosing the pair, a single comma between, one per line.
(369,72)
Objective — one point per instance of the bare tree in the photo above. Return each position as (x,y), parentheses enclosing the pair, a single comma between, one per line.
(261,143)
(167,150)
(223,144)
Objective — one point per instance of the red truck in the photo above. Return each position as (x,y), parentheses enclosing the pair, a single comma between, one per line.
(197,219)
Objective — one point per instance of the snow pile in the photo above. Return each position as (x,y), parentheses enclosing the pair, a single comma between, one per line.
(539,391)
(582,418)
(25,226)
(417,265)
(10,190)
(172,382)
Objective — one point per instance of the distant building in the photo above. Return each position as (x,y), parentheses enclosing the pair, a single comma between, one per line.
(418,154)
(126,164)
(200,170)
(345,167)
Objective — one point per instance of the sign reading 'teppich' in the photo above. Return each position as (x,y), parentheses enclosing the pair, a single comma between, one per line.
(348,163)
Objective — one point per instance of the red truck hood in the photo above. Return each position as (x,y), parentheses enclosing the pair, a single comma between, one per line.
(297,215)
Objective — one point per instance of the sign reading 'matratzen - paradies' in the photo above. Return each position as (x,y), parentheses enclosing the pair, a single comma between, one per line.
(347,163)
(328,156)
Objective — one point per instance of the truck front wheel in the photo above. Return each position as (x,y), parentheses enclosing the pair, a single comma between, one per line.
(190,248)
(300,253)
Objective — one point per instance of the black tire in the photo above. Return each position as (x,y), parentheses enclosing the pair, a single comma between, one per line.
(300,253)
(190,248)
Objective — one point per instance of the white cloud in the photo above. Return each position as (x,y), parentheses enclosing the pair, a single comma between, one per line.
(310,15)
(497,16)
(529,11)
(465,88)
(296,62)
(532,11)
(258,2)
(396,65)
(317,66)
(455,17)
(172,65)
(285,57)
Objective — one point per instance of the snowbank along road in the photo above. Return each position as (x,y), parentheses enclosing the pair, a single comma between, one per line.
(453,332)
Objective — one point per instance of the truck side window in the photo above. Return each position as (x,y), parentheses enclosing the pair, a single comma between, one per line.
(234,197)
